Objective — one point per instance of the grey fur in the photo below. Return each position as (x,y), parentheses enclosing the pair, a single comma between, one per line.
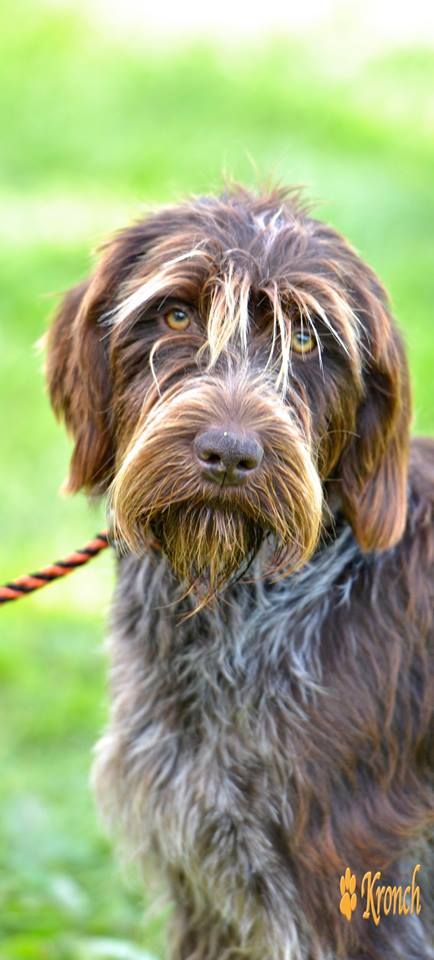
(171,783)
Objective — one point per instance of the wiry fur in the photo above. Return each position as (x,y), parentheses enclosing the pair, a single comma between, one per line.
(272,698)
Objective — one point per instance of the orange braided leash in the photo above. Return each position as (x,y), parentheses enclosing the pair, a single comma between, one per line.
(34,581)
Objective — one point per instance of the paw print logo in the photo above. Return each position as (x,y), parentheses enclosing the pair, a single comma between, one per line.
(348,901)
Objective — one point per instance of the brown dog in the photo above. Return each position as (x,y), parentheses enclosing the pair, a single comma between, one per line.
(233,379)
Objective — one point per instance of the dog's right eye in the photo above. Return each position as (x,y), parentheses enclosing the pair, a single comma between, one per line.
(178,318)
(302,341)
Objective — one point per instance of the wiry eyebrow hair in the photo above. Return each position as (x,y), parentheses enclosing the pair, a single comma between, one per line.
(230,292)
(230,319)
(167,281)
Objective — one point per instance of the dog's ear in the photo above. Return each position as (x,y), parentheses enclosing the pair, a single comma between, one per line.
(78,367)
(374,465)
(79,384)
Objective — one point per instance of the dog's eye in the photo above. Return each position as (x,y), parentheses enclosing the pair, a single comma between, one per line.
(302,341)
(178,318)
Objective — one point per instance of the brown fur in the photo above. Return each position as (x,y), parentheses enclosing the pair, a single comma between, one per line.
(309,705)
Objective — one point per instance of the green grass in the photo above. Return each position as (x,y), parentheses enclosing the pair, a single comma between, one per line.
(92,130)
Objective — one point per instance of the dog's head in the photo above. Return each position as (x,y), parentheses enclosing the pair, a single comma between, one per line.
(230,372)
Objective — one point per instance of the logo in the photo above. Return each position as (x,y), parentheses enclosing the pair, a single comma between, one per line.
(378,899)
(348,901)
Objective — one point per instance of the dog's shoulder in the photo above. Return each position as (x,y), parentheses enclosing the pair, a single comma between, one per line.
(421,473)
(417,545)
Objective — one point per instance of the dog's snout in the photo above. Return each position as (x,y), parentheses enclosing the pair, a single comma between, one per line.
(226,456)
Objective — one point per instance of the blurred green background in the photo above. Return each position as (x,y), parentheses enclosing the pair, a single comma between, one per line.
(95,125)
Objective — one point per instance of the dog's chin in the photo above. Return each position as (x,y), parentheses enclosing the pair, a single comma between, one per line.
(211,538)
(208,546)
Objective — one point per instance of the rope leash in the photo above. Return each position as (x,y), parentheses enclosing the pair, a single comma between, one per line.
(34,581)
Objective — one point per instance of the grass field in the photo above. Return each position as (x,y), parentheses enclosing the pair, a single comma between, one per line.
(93,129)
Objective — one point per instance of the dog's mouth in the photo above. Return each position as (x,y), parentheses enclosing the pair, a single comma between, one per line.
(208,545)
(212,538)
(212,543)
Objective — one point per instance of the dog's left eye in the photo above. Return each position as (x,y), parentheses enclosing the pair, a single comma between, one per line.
(302,341)
(178,318)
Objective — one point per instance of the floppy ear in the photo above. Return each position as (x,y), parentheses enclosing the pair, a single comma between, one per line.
(374,465)
(79,385)
(78,368)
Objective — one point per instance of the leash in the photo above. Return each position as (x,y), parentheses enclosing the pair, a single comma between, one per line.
(34,581)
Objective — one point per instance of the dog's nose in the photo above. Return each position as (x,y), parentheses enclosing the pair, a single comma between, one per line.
(227,457)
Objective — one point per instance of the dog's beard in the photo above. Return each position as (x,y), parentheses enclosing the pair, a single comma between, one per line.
(210,539)
(207,546)
(211,533)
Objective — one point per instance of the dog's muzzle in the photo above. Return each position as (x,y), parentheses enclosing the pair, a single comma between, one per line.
(216,466)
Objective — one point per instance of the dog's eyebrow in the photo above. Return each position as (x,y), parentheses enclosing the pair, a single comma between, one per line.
(149,289)
(228,312)
(308,304)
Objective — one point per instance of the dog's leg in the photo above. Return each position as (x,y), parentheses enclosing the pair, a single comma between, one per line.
(196,932)
(201,939)
(199,936)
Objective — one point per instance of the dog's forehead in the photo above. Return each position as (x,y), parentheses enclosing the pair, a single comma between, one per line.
(224,253)
(240,222)
(244,213)
(212,237)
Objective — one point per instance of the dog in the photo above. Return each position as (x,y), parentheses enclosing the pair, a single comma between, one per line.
(235,384)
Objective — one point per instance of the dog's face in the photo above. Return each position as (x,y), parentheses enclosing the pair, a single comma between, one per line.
(231,372)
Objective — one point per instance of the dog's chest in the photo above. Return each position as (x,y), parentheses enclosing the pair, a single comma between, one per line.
(214,735)
(219,785)
(207,712)
(212,746)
